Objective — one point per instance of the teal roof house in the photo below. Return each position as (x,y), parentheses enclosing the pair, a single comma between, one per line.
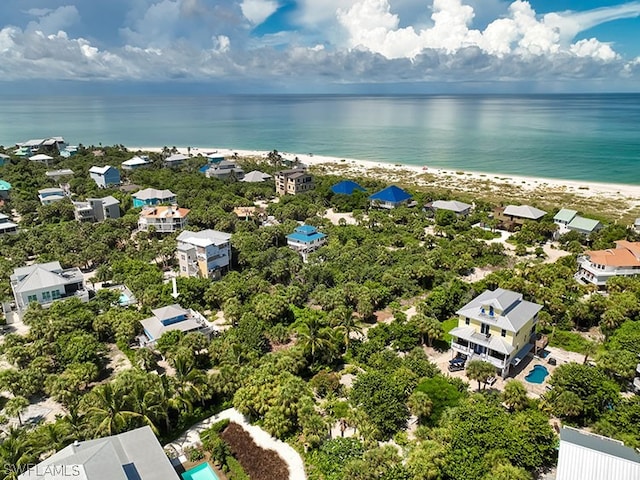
(390,197)
(5,189)
(306,239)
(152,196)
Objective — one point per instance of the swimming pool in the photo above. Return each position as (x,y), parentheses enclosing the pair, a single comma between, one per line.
(201,472)
(124,299)
(537,374)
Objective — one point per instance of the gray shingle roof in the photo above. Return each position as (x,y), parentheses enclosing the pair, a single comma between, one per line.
(204,238)
(516,312)
(131,455)
(153,193)
(452,205)
(524,211)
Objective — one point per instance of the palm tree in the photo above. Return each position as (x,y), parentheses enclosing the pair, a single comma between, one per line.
(108,410)
(344,321)
(142,401)
(420,404)
(16,406)
(429,327)
(515,395)
(53,436)
(480,371)
(191,382)
(16,453)
(315,338)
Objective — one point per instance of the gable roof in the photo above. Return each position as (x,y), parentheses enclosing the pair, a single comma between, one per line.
(40,156)
(516,312)
(452,205)
(585,456)
(583,224)
(101,170)
(565,215)
(346,187)
(40,278)
(524,211)
(176,157)
(391,194)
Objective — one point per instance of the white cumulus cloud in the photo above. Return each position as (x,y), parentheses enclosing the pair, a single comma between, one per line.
(257,11)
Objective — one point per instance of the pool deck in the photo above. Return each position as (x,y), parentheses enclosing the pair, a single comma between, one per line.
(191,438)
(534,390)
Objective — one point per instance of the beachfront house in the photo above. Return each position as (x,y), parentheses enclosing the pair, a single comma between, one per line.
(173,317)
(569,220)
(106,176)
(390,197)
(162,219)
(513,216)
(224,170)
(47,196)
(497,326)
(135,454)
(97,209)
(4,159)
(205,254)
(175,160)
(153,196)
(5,190)
(52,145)
(461,209)
(598,266)
(293,181)
(346,187)
(6,225)
(306,239)
(256,176)
(584,455)
(45,283)
(135,163)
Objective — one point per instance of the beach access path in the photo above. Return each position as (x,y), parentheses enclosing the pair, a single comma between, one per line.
(191,438)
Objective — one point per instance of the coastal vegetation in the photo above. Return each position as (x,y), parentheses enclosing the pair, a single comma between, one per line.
(333,355)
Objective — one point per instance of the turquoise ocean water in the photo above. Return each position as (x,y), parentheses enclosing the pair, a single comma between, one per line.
(582,137)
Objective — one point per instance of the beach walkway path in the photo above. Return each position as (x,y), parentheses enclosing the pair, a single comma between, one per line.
(191,438)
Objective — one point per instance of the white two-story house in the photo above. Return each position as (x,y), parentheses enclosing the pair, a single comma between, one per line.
(205,254)
(598,266)
(164,219)
(498,327)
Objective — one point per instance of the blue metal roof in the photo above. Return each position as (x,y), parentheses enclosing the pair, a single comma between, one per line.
(391,194)
(306,229)
(300,237)
(346,187)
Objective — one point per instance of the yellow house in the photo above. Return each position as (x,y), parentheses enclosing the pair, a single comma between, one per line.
(498,327)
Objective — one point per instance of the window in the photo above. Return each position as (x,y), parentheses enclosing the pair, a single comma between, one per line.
(46,296)
(466,321)
(32,298)
(490,311)
(484,328)
(503,332)
(55,294)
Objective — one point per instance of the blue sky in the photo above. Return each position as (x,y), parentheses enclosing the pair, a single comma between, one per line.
(322,45)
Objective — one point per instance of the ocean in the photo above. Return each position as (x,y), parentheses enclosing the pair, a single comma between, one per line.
(578,137)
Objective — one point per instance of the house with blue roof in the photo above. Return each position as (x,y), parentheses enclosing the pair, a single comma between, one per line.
(346,187)
(390,197)
(306,239)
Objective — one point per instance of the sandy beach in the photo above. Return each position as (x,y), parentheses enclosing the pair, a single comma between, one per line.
(618,200)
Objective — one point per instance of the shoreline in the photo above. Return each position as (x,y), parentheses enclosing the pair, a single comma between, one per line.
(444,178)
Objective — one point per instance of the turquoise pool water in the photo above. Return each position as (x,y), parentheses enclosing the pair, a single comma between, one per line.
(123,299)
(201,472)
(537,374)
